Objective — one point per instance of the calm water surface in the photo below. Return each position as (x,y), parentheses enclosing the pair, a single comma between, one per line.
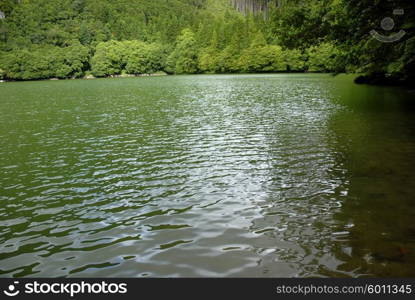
(251,175)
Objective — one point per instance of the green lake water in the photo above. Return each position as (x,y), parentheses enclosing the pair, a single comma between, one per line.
(243,176)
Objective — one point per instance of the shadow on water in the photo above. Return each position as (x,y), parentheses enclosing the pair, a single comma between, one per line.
(375,142)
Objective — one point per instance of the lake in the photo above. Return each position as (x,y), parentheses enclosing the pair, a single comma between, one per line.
(299,175)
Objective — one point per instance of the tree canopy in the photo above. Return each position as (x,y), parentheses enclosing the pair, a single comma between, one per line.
(67,38)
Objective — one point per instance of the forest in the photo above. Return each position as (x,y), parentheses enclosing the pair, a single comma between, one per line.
(41,39)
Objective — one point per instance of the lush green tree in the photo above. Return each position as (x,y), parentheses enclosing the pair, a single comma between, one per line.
(38,39)
(260,57)
(45,62)
(407,60)
(209,61)
(133,57)
(183,59)
(209,57)
(252,58)
(228,60)
(325,57)
(294,60)
(108,59)
(143,58)
(75,61)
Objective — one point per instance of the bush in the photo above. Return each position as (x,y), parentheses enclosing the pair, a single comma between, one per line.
(45,62)
(294,60)
(143,58)
(108,59)
(228,60)
(262,59)
(133,57)
(325,57)
(209,61)
(183,60)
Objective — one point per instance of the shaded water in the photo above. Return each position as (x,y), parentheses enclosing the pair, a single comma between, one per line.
(253,175)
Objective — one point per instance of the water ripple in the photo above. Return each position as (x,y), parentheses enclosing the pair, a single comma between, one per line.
(197,176)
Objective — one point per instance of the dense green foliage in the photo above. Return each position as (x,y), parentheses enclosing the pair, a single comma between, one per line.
(184,57)
(133,57)
(68,38)
(47,61)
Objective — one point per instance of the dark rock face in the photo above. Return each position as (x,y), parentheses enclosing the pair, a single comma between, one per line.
(253,6)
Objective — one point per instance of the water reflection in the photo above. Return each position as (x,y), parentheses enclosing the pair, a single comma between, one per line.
(379,156)
(265,175)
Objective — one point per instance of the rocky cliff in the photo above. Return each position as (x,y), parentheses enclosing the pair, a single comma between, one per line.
(254,6)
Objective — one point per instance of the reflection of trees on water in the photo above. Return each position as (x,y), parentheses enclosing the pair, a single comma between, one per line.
(376,144)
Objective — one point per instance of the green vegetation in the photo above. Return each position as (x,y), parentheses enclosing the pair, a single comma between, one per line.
(70,38)
(325,57)
(132,57)
(46,61)
(184,57)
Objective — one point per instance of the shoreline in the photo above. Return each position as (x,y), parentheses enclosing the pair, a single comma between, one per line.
(89,77)
(361,79)
(162,74)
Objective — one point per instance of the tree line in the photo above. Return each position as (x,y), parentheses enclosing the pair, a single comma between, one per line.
(73,38)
